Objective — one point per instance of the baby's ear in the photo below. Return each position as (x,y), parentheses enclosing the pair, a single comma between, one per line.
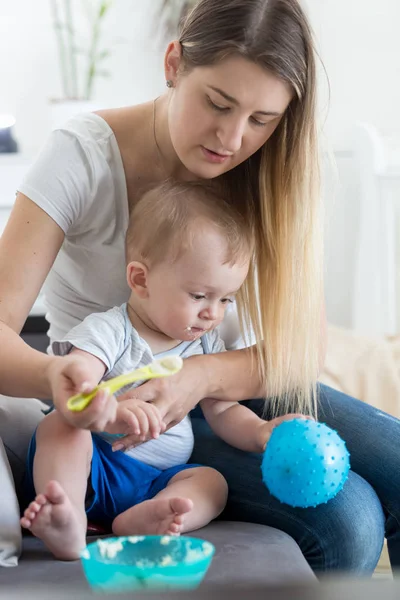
(136,276)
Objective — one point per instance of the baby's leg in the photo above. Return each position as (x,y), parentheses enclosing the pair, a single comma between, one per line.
(191,499)
(60,471)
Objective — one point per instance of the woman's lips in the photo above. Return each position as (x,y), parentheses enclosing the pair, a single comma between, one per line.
(214,157)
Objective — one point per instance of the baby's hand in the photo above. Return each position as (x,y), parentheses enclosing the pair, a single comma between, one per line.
(266,428)
(137,417)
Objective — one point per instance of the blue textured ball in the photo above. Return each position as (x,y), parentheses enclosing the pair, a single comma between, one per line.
(305,463)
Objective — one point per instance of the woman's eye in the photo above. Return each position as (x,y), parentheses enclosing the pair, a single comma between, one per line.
(258,123)
(217,106)
(197,296)
(226,300)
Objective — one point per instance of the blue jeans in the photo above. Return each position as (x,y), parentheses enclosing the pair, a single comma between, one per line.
(347,533)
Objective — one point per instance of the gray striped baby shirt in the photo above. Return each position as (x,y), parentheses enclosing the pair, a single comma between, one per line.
(111,337)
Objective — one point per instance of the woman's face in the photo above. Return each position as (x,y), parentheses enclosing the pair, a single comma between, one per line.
(221,114)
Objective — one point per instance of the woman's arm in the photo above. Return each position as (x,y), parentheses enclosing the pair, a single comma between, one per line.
(28,248)
(225,376)
(228,376)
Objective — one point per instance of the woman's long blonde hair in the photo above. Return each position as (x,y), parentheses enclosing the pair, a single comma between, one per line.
(277,189)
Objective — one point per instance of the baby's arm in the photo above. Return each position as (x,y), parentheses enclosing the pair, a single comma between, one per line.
(233,422)
(237,425)
(91,363)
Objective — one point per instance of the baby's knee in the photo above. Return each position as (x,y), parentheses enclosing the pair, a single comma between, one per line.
(53,427)
(217,486)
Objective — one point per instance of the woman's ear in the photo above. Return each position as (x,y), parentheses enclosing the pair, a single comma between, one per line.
(136,276)
(172,62)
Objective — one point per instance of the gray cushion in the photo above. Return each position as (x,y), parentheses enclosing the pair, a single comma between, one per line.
(245,553)
(18,419)
(10,530)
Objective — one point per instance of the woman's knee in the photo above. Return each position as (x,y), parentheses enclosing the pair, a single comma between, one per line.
(347,533)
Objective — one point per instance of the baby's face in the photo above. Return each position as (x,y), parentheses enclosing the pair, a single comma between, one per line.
(190,296)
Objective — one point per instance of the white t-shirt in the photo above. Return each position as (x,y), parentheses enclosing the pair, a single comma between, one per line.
(79,181)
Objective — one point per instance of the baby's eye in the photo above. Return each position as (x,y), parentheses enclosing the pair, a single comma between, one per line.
(197,296)
(226,300)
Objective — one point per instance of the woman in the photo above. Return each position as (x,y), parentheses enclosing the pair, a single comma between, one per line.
(239,108)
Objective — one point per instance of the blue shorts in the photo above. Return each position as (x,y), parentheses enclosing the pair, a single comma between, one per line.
(116,481)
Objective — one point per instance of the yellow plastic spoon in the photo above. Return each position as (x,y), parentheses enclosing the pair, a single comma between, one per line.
(163,367)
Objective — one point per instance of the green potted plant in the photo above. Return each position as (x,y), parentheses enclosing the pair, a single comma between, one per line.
(81,56)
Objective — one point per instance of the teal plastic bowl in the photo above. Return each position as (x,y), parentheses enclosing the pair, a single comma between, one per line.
(121,564)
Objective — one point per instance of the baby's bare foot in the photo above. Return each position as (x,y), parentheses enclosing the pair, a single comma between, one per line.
(160,516)
(52,518)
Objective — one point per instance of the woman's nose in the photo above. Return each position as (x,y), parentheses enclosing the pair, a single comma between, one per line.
(230,135)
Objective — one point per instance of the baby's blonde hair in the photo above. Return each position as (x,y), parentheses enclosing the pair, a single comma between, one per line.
(165,220)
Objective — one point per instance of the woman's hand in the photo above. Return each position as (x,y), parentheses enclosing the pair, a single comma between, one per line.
(70,375)
(174,397)
(79,372)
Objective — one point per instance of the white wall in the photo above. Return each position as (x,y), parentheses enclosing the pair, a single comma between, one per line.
(29,73)
(359,45)
(357,40)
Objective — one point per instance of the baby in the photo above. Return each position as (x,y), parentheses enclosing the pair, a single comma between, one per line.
(188,253)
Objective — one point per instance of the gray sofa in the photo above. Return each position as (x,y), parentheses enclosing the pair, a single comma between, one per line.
(245,552)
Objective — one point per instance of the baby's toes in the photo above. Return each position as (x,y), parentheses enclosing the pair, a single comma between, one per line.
(31,512)
(40,499)
(174,529)
(30,515)
(26,523)
(178,519)
(35,506)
